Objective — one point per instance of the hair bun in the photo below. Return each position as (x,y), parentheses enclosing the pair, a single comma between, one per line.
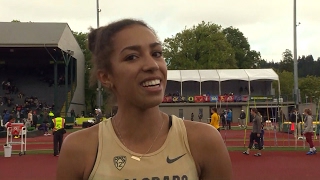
(92,38)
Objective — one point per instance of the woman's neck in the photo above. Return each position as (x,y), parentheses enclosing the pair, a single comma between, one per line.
(138,125)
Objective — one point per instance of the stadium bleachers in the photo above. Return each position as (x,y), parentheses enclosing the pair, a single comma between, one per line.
(31,83)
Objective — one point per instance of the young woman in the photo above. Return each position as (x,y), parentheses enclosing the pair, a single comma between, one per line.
(29,121)
(308,131)
(215,119)
(140,141)
(256,132)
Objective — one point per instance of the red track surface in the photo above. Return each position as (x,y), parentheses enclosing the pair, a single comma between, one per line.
(28,167)
(270,166)
(273,165)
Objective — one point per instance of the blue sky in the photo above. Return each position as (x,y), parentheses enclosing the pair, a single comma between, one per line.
(268,25)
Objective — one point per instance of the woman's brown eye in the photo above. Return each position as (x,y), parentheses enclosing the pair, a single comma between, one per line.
(131,57)
(157,54)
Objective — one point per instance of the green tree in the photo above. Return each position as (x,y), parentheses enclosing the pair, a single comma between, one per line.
(286,64)
(309,86)
(269,64)
(307,66)
(245,57)
(201,47)
(82,39)
(90,92)
(252,60)
(286,84)
(264,64)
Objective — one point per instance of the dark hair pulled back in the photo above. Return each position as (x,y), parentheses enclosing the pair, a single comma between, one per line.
(101,45)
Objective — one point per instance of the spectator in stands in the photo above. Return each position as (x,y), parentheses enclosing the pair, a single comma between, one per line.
(73,114)
(20,95)
(10,121)
(44,127)
(6,117)
(15,90)
(9,103)
(18,114)
(35,119)
(223,118)
(4,112)
(1,121)
(229,118)
(240,89)
(200,116)
(22,113)
(3,84)
(45,123)
(29,121)
(98,117)
(61,80)
(50,116)
(242,118)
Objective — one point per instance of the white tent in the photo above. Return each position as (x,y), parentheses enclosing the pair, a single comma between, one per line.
(262,74)
(174,75)
(190,75)
(223,75)
(233,74)
(268,74)
(209,75)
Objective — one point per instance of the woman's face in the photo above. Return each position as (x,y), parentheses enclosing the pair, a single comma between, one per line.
(139,71)
(252,112)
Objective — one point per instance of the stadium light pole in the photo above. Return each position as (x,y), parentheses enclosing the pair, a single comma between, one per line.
(99,89)
(98,11)
(295,61)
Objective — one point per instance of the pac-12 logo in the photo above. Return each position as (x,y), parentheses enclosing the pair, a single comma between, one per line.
(119,161)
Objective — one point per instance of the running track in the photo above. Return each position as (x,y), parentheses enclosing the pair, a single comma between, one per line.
(271,166)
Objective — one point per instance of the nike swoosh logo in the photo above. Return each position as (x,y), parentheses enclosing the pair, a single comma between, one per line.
(174,159)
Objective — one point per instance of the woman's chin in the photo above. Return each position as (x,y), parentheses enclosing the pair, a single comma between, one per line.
(150,103)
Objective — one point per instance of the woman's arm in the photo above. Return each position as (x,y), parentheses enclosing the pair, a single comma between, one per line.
(309,125)
(209,152)
(259,123)
(213,120)
(78,154)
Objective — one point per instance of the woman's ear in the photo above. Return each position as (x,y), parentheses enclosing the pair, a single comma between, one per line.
(105,79)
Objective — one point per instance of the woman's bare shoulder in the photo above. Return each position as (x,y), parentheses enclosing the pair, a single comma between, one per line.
(78,138)
(206,132)
(78,150)
(209,151)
